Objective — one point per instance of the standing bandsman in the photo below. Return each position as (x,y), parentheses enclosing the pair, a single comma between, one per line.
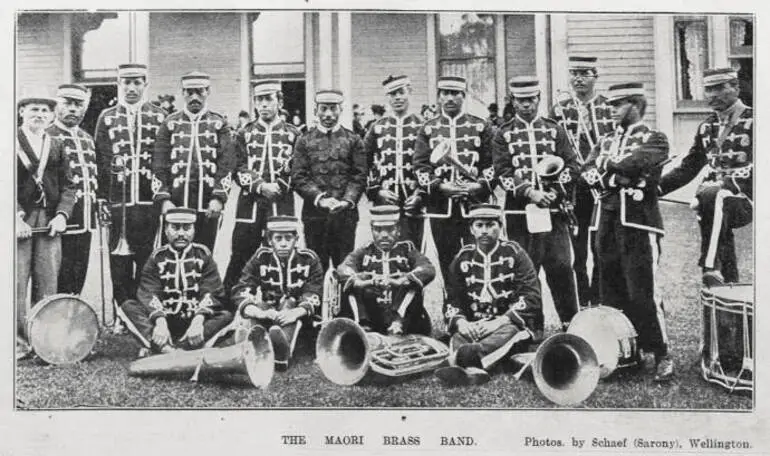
(389,146)
(280,287)
(493,300)
(79,147)
(522,147)
(329,173)
(264,149)
(125,138)
(45,196)
(387,278)
(586,117)
(463,177)
(193,159)
(725,142)
(179,301)
(625,168)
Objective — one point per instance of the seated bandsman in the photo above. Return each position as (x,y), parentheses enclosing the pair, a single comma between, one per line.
(280,285)
(493,300)
(179,301)
(383,281)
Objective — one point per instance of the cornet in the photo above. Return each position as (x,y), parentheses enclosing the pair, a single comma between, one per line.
(121,171)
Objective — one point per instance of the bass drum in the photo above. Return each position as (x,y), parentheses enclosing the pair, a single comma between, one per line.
(62,329)
(610,334)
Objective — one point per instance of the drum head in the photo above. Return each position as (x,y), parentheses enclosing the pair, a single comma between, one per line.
(735,293)
(63,329)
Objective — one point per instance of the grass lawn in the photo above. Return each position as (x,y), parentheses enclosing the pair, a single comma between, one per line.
(102,380)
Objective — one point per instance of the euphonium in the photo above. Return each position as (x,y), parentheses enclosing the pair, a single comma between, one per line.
(120,170)
(253,357)
(345,353)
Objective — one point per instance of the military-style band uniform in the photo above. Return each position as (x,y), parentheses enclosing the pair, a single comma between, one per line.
(329,163)
(264,156)
(269,282)
(193,160)
(585,122)
(470,141)
(378,307)
(44,188)
(724,142)
(80,150)
(483,286)
(178,286)
(625,168)
(129,132)
(519,146)
(390,146)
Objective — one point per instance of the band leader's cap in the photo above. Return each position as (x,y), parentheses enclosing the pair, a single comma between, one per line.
(50,102)
(132,70)
(393,83)
(716,76)
(266,86)
(618,92)
(282,223)
(485,211)
(329,96)
(180,215)
(452,83)
(524,86)
(196,80)
(384,215)
(73,91)
(582,63)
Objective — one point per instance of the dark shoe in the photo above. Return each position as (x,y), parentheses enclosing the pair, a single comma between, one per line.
(281,347)
(453,376)
(469,356)
(664,370)
(712,278)
(477,376)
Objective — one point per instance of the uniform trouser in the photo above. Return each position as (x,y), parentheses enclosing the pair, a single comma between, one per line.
(719,212)
(38,258)
(369,312)
(332,237)
(488,351)
(141,225)
(628,258)
(140,326)
(206,230)
(552,251)
(247,237)
(449,234)
(412,229)
(588,289)
(74,264)
(290,332)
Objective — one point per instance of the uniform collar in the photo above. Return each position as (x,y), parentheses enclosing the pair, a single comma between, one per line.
(73,131)
(491,251)
(131,108)
(452,119)
(270,125)
(630,129)
(537,116)
(324,130)
(198,116)
(587,102)
(729,114)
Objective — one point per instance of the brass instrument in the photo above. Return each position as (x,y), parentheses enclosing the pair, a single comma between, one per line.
(252,357)
(104,221)
(345,353)
(575,141)
(330,304)
(567,366)
(442,155)
(121,171)
(549,171)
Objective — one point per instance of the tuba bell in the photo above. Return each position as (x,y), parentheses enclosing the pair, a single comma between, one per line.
(549,168)
(253,357)
(567,367)
(345,353)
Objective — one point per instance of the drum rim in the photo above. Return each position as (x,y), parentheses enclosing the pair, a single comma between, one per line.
(31,320)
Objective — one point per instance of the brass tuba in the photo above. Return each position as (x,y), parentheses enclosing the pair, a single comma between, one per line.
(253,357)
(345,353)
(567,367)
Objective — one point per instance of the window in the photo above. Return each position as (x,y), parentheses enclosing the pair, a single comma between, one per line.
(741,54)
(467,49)
(691,52)
(101,42)
(278,44)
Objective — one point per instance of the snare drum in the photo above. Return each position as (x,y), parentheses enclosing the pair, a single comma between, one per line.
(727,347)
(62,329)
